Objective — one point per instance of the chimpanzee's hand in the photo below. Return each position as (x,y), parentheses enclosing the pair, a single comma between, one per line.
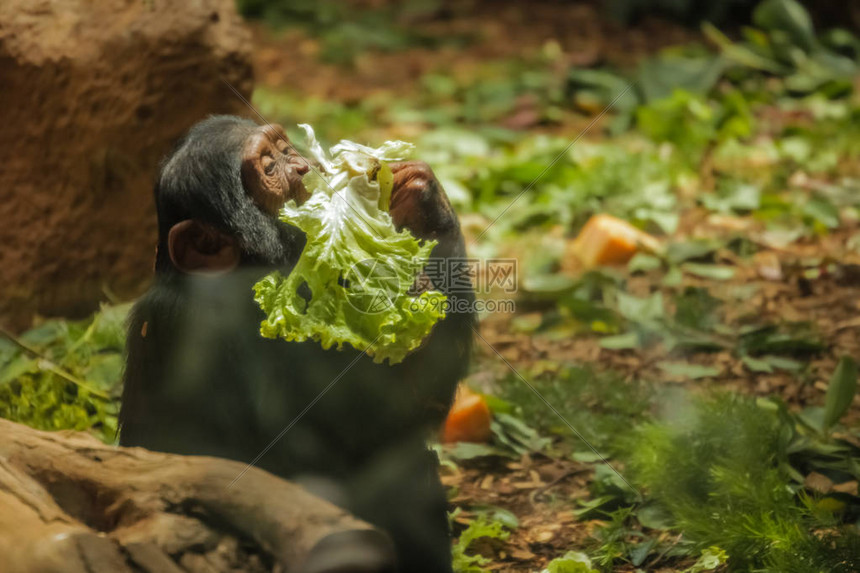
(419,203)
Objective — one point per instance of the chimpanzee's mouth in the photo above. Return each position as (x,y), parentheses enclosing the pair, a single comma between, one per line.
(296,189)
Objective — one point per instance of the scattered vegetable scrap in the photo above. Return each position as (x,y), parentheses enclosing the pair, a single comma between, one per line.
(469,419)
(607,240)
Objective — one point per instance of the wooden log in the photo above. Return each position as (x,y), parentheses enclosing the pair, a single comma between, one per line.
(71,504)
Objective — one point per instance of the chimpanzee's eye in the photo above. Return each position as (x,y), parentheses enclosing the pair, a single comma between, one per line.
(268,164)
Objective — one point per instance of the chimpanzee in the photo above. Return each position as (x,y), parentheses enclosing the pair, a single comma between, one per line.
(200,379)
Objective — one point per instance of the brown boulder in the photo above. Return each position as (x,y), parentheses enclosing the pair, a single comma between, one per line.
(93,95)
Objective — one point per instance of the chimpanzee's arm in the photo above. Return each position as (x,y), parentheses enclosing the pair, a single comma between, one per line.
(419,203)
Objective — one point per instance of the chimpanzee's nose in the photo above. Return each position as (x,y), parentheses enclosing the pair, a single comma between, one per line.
(302,166)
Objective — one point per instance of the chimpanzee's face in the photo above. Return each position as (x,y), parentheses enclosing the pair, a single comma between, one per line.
(218,196)
(272,169)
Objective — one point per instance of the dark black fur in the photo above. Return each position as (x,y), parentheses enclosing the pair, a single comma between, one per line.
(203,381)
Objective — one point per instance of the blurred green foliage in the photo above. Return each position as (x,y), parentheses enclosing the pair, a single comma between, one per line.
(487,96)
(601,406)
(785,44)
(689,11)
(724,468)
(726,13)
(66,375)
(683,109)
(345,30)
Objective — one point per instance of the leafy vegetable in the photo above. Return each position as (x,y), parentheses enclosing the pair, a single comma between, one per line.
(711,558)
(481,527)
(351,283)
(572,562)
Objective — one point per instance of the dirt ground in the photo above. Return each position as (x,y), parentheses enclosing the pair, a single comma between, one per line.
(289,58)
(540,490)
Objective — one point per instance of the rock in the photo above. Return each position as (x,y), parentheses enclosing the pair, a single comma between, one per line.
(93,95)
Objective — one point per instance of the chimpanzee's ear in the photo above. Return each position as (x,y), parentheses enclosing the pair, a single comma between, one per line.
(196,247)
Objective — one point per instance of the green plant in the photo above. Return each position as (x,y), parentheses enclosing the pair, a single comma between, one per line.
(784,43)
(599,405)
(722,469)
(65,375)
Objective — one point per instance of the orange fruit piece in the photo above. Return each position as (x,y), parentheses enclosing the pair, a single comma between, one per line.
(607,240)
(468,420)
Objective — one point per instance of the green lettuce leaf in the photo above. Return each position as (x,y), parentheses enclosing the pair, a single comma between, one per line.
(351,283)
